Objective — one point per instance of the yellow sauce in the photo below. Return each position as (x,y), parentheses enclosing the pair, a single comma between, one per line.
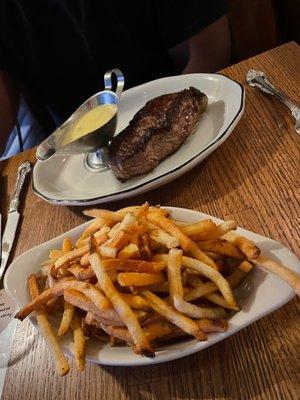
(88,122)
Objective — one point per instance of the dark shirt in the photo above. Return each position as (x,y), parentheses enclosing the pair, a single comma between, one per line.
(61,48)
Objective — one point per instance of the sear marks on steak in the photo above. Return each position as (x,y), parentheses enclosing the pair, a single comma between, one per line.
(156,131)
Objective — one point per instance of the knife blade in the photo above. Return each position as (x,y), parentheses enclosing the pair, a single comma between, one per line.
(13,216)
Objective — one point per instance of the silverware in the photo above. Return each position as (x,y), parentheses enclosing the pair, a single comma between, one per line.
(13,216)
(260,80)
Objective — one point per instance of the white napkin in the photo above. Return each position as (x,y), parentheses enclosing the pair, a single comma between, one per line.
(7,330)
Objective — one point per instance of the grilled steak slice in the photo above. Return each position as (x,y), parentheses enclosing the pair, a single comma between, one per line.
(155,132)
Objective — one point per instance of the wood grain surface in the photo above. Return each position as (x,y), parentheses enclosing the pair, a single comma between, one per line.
(253,178)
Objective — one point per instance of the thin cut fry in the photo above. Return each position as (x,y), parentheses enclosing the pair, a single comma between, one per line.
(139,278)
(79,343)
(91,229)
(200,230)
(288,275)
(57,290)
(151,267)
(67,245)
(214,276)
(145,247)
(128,224)
(108,252)
(186,243)
(209,273)
(62,365)
(55,254)
(135,301)
(122,308)
(162,238)
(130,251)
(246,246)
(103,232)
(66,319)
(120,240)
(183,322)
(76,253)
(219,300)
(176,291)
(152,332)
(220,230)
(221,246)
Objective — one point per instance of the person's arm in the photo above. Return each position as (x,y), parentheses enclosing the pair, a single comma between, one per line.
(9,105)
(207,51)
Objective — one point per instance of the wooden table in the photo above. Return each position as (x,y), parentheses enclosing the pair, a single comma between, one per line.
(253,178)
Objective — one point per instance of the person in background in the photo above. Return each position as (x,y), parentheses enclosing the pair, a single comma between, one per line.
(53,54)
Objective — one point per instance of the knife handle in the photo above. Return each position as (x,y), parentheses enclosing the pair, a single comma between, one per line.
(23,170)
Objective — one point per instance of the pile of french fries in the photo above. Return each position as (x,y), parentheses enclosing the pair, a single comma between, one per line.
(137,277)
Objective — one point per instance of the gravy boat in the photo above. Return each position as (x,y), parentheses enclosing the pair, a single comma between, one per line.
(95,142)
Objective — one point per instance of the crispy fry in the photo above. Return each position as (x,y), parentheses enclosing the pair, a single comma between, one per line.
(63,271)
(76,253)
(141,211)
(122,308)
(152,332)
(145,247)
(209,273)
(200,230)
(202,289)
(221,246)
(91,229)
(286,274)
(62,365)
(130,251)
(67,245)
(236,276)
(135,301)
(79,343)
(108,252)
(128,224)
(214,276)
(186,243)
(66,318)
(176,291)
(162,238)
(102,233)
(220,230)
(219,300)
(55,254)
(245,245)
(80,300)
(139,278)
(57,290)
(151,267)
(78,271)
(120,240)
(183,322)
(174,275)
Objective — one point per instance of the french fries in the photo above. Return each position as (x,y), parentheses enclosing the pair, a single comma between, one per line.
(66,318)
(141,343)
(62,365)
(139,277)
(79,342)
(186,243)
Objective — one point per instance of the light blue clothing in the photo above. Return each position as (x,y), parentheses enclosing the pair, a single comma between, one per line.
(31,132)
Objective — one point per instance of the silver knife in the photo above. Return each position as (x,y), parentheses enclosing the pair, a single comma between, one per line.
(13,216)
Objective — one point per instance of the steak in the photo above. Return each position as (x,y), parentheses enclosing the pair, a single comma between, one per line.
(156,131)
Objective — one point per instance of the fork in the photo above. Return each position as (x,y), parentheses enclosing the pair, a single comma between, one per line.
(260,80)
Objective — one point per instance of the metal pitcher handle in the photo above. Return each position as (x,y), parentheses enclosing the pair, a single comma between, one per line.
(120,80)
